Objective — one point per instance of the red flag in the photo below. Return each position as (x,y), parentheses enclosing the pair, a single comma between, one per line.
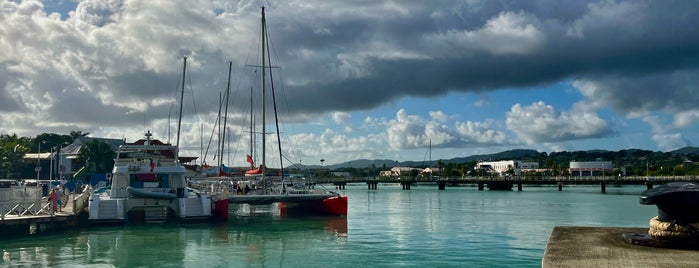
(252,163)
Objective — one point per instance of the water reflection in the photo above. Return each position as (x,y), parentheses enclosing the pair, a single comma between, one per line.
(256,239)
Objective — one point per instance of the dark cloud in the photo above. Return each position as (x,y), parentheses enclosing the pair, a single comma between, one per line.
(117,63)
(596,39)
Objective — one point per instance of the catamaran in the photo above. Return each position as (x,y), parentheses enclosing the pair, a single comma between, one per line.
(148,184)
(259,186)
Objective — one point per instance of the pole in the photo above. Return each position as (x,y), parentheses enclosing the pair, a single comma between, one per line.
(179,121)
(52,163)
(38,163)
(264,134)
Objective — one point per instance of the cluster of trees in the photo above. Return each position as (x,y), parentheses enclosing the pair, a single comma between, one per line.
(98,156)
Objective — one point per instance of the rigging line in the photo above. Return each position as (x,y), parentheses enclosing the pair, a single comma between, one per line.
(284,98)
(213,130)
(276,117)
(172,106)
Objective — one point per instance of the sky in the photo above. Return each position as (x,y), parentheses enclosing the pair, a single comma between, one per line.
(401,80)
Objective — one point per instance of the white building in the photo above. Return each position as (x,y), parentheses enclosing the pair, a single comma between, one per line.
(398,171)
(594,168)
(501,167)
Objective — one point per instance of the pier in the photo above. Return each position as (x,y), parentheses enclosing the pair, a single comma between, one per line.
(508,183)
(32,214)
(581,247)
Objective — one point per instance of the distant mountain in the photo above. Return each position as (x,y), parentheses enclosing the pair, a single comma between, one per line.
(363,163)
(510,154)
(521,154)
(686,150)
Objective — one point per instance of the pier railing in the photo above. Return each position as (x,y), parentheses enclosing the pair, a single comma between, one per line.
(20,202)
(520,179)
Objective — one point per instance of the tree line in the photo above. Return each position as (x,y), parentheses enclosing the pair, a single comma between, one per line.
(98,157)
(95,155)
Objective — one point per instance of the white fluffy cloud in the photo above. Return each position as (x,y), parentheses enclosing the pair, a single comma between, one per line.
(539,122)
(408,131)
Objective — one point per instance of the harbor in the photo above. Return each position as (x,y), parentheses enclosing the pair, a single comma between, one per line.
(455,228)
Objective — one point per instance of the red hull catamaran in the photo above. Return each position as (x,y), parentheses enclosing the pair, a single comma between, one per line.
(256,187)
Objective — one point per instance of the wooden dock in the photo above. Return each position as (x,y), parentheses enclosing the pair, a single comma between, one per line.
(582,247)
(37,216)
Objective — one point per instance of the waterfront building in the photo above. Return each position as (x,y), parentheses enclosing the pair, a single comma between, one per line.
(590,168)
(500,168)
(398,171)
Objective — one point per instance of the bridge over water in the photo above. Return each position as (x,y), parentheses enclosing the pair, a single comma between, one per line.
(506,183)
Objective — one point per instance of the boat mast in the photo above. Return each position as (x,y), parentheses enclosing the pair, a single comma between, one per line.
(225,118)
(264,132)
(179,121)
(252,134)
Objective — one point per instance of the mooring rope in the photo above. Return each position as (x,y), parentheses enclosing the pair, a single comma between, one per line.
(673,230)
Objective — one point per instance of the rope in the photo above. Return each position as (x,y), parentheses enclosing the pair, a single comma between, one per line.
(673,230)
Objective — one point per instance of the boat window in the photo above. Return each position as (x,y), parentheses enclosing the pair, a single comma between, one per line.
(146,177)
(164,180)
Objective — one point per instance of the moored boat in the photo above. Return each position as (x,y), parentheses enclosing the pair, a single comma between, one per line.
(262,186)
(148,185)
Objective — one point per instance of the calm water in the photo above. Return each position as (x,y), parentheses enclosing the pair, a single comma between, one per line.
(388,227)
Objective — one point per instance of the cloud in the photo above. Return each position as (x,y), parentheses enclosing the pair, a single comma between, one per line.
(539,123)
(438,116)
(408,131)
(110,65)
(341,117)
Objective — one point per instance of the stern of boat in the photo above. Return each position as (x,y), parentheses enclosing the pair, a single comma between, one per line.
(105,209)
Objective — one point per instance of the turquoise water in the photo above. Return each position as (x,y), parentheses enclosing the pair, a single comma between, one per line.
(388,227)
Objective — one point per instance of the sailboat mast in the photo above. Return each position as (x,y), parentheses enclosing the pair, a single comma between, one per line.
(179,121)
(225,117)
(252,130)
(264,132)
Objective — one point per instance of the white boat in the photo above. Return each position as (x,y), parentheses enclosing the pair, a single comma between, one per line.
(260,185)
(148,185)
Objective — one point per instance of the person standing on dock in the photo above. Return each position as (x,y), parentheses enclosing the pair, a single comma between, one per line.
(59,200)
(53,198)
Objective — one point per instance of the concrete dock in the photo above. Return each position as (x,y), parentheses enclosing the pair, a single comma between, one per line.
(580,247)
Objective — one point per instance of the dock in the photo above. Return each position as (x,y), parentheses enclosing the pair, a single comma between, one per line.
(581,247)
(507,183)
(34,215)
